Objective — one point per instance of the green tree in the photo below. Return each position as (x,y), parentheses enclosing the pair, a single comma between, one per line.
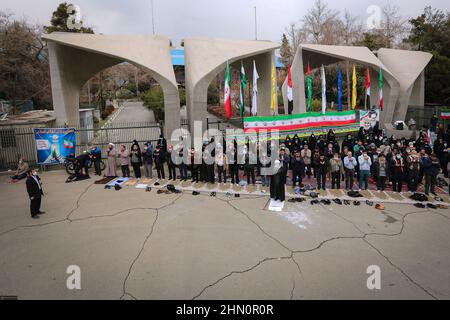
(372,40)
(60,18)
(153,99)
(285,51)
(430,32)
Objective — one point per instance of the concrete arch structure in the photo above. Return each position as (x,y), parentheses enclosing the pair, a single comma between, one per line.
(409,68)
(206,58)
(75,58)
(316,55)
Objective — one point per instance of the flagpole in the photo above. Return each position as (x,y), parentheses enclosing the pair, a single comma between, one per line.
(153,18)
(256,26)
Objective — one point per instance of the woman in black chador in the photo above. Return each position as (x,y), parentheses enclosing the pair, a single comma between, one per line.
(277,191)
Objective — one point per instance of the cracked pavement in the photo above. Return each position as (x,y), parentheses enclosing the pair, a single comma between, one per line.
(132,244)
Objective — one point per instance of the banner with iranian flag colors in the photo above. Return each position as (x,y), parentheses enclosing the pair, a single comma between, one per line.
(304,121)
(445,114)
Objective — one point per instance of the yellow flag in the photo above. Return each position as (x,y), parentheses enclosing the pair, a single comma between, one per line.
(354,88)
(273,102)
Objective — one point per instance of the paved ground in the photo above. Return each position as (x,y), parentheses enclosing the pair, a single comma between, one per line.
(132,244)
(134,112)
(131,121)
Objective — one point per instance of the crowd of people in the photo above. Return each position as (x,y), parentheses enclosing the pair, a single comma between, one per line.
(369,156)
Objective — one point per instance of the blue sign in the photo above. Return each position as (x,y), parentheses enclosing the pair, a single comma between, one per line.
(54,145)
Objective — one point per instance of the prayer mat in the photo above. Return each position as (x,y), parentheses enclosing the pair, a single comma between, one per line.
(395,196)
(366,194)
(336,193)
(105,180)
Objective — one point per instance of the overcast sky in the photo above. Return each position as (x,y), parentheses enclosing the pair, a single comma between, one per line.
(178,19)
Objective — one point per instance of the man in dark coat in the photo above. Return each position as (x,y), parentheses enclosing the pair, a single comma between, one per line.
(159,158)
(34,189)
(277,182)
(298,168)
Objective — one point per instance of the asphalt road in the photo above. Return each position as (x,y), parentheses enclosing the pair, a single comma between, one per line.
(132,244)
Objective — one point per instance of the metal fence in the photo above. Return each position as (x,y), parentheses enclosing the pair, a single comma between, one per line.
(422,115)
(216,123)
(16,141)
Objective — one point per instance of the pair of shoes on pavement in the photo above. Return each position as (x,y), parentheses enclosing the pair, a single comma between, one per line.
(37,215)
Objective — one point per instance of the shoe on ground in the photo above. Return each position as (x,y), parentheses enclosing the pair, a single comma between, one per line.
(35,217)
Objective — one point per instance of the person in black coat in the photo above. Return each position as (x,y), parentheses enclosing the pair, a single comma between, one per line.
(159,159)
(298,168)
(34,189)
(163,143)
(277,189)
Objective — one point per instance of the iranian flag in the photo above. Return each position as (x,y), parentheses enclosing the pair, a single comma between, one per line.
(381,89)
(309,82)
(243,86)
(289,91)
(445,114)
(303,121)
(367,88)
(227,94)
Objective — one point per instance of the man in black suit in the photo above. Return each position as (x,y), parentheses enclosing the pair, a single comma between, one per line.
(34,189)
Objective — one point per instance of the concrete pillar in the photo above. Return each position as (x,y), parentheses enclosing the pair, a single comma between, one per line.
(418,91)
(374,87)
(264,68)
(70,69)
(298,83)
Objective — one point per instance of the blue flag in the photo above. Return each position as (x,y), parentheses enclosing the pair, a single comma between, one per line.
(340,89)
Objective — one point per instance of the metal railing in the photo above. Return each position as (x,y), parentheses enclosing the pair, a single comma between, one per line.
(17,141)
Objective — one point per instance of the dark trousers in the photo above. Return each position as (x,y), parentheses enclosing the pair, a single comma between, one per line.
(194,173)
(210,173)
(19,176)
(321,180)
(160,171)
(397,183)
(183,172)
(35,206)
(137,170)
(97,169)
(430,184)
(222,173)
(234,171)
(336,180)
(203,173)
(172,173)
(296,177)
(126,171)
(349,178)
(413,180)
(308,170)
(250,173)
(381,183)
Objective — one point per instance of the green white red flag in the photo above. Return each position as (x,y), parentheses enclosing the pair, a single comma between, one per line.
(227,94)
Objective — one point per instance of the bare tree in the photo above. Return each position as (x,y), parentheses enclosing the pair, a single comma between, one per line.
(351,28)
(295,35)
(319,21)
(393,26)
(24,71)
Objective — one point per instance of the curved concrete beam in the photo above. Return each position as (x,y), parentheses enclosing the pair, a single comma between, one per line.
(75,58)
(316,55)
(408,67)
(206,58)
